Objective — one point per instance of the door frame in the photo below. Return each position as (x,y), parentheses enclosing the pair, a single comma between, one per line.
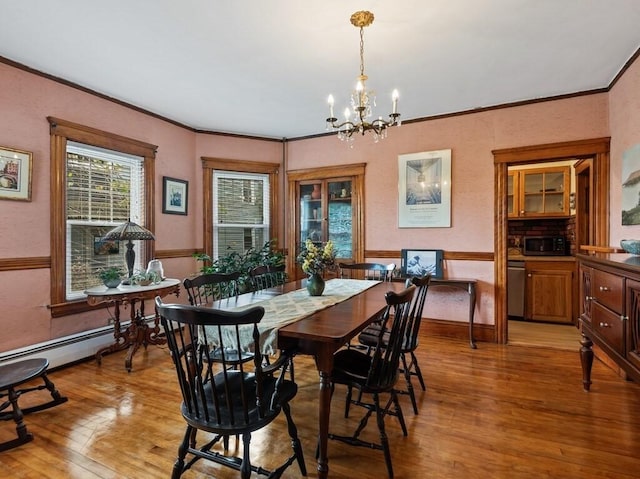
(596,149)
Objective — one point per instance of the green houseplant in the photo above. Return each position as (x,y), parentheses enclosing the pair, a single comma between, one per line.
(111,277)
(233,261)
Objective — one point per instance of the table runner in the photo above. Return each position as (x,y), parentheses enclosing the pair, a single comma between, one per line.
(288,308)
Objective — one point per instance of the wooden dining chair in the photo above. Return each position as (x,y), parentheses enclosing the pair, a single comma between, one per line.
(409,367)
(267,276)
(229,401)
(209,288)
(376,373)
(375,271)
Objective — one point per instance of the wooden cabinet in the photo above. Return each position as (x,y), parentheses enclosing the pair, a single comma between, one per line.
(326,204)
(610,311)
(539,192)
(549,289)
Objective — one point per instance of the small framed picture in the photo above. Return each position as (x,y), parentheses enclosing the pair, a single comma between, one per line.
(103,247)
(175,196)
(15,174)
(418,262)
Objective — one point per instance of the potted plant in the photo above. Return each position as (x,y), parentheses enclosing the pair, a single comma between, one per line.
(314,260)
(111,277)
(144,278)
(244,263)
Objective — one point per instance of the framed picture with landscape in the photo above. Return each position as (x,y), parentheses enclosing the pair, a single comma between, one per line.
(175,196)
(418,262)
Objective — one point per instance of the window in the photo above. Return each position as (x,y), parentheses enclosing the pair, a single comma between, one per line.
(98,179)
(249,219)
(104,189)
(240,211)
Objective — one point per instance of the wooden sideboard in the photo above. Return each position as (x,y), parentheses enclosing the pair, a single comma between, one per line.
(610,311)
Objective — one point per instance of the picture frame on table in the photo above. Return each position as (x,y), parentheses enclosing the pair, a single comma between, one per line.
(418,262)
(424,189)
(15,174)
(175,196)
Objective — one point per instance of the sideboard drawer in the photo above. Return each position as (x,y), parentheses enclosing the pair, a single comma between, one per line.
(608,289)
(608,326)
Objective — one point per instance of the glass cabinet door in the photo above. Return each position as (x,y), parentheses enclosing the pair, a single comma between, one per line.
(311,213)
(544,191)
(340,217)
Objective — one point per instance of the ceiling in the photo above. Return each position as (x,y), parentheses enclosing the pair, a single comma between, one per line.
(265,68)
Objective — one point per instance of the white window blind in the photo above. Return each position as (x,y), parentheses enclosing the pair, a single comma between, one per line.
(240,211)
(104,188)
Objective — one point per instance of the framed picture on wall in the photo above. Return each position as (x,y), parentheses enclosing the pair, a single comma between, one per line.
(424,189)
(15,174)
(175,196)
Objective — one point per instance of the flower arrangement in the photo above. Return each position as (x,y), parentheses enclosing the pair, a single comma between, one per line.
(315,259)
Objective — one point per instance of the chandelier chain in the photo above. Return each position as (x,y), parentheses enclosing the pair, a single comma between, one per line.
(361,51)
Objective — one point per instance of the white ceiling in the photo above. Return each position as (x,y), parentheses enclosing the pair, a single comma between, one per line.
(266,67)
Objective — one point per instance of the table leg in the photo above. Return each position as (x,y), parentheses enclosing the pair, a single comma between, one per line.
(324,363)
(121,340)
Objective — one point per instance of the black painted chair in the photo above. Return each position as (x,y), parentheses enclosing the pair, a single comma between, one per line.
(13,384)
(410,367)
(374,271)
(209,288)
(267,276)
(376,373)
(229,401)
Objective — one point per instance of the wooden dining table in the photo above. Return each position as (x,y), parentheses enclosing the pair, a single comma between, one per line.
(321,334)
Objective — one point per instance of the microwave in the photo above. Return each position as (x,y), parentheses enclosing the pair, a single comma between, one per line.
(544,246)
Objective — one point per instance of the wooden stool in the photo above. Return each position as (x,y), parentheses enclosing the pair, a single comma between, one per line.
(12,376)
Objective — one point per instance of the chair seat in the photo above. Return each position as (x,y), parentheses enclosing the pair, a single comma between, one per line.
(14,375)
(21,372)
(351,369)
(232,414)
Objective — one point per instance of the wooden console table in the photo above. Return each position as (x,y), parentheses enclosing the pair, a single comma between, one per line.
(468,285)
(138,331)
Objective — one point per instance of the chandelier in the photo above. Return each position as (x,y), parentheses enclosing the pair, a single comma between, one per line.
(362,99)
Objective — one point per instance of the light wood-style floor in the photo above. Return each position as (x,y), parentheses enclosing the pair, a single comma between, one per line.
(544,335)
(495,412)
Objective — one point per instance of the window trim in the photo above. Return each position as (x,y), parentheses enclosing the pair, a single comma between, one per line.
(62,131)
(242,166)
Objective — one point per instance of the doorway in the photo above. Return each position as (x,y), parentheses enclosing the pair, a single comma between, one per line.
(595,184)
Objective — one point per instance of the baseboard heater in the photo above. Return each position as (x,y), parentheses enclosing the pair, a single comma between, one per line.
(65,350)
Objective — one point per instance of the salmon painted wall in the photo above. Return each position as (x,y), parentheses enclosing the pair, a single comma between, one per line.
(471,138)
(625,126)
(26,100)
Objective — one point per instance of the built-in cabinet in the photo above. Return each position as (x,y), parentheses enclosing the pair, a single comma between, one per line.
(610,311)
(549,291)
(539,192)
(328,205)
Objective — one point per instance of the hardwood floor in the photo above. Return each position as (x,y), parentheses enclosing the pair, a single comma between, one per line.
(544,335)
(495,412)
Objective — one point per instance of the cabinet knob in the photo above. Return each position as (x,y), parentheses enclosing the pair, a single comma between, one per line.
(604,325)
(604,288)
(529,275)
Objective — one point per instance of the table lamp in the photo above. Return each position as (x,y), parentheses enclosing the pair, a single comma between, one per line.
(129,231)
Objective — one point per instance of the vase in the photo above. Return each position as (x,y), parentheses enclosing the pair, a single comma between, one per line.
(315,285)
(316,194)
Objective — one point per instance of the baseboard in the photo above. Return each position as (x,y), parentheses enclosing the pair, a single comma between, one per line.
(65,350)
